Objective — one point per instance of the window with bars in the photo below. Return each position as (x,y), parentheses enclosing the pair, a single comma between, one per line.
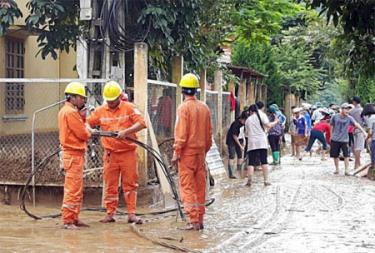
(14,63)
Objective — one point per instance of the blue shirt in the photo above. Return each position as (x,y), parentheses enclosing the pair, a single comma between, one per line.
(300,125)
(281,117)
(308,120)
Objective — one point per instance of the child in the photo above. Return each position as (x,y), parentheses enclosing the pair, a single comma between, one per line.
(301,131)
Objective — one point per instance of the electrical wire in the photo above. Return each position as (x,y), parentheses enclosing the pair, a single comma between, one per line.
(157,156)
(39,168)
(42,165)
(122,34)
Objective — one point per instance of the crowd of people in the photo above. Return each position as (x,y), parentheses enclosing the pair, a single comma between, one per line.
(340,130)
(248,139)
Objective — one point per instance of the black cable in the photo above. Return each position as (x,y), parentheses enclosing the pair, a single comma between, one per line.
(122,36)
(39,168)
(165,170)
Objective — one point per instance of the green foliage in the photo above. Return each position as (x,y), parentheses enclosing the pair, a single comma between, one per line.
(366,89)
(262,58)
(296,69)
(257,21)
(194,29)
(289,62)
(56,22)
(332,93)
(357,20)
(173,29)
(8,11)
(353,16)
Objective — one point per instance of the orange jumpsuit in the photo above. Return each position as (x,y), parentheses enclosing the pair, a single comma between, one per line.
(73,137)
(193,139)
(120,157)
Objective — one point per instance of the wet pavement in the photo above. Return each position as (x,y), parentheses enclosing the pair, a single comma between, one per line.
(306,209)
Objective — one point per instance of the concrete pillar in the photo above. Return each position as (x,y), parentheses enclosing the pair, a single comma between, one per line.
(242,94)
(252,91)
(264,93)
(177,73)
(202,84)
(218,80)
(287,104)
(140,99)
(259,92)
(290,100)
(232,89)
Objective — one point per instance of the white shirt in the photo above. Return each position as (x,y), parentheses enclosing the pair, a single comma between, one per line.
(370,122)
(317,115)
(257,137)
(241,136)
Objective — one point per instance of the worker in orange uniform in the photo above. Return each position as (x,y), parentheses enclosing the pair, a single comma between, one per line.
(73,136)
(120,157)
(193,139)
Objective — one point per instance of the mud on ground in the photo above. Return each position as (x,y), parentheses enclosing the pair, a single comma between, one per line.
(306,209)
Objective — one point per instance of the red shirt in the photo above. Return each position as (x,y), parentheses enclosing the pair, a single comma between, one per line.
(324,127)
(350,129)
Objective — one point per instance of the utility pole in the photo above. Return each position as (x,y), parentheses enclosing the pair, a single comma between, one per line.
(95,57)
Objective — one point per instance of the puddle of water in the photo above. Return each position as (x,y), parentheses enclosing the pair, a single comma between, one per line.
(306,209)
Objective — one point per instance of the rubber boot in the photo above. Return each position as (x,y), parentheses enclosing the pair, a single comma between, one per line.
(273,158)
(277,157)
(230,172)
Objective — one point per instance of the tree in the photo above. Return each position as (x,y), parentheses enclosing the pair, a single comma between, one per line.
(55,22)
(258,20)
(355,45)
(193,28)
(279,52)
(8,12)
(262,58)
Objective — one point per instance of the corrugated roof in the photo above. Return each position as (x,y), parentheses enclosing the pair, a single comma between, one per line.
(245,71)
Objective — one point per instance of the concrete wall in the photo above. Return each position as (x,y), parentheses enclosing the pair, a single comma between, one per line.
(22,6)
(37,95)
(66,68)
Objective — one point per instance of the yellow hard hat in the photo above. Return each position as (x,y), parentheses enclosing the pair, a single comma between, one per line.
(189,81)
(112,91)
(75,88)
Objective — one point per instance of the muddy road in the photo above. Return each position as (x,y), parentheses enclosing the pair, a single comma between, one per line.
(306,209)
